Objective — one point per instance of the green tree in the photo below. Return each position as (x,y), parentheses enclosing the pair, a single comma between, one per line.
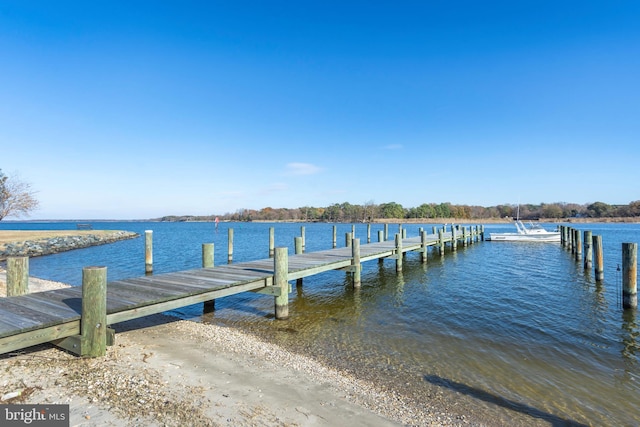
(599,210)
(392,210)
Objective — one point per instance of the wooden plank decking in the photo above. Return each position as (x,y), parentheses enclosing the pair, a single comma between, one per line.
(37,318)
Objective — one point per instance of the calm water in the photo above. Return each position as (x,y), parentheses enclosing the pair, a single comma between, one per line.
(517,332)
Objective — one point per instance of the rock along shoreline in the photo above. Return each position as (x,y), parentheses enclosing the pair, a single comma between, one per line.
(53,245)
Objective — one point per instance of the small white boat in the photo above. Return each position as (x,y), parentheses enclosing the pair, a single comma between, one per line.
(530,233)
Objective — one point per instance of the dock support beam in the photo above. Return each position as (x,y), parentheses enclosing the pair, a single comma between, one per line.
(272,241)
(93,324)
(441,241)
(148,251)
(17,276)
(578,245)
(380,239)
(207,262)
(588,250)
(298,243)
(335,232)
(423,245)
(355,263)
(398,252)
(454,238)
(599,259)
(280,280)
(230,246)
(629,275)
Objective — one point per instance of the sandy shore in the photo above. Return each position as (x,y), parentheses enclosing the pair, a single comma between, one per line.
(169,372)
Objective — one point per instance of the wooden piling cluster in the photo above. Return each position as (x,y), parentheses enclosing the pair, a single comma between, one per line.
(591,245)
(571,239)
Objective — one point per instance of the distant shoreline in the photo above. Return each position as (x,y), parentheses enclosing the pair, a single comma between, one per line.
(631,220)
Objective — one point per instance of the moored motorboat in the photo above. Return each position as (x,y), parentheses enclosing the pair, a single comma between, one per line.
(526,233)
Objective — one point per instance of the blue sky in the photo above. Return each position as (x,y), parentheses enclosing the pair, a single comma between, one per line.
(134,110)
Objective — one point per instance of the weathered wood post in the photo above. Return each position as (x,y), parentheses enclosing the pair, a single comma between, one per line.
(588,249)
(280,280)
(230,246)
(629,275)
(353,231)
(464,237)
(17,276)
(454,239)
(578,245)
(482,232)
(272,241)
(441,241)
(207,255)
(380,239)
(434,230)
(335,231)
(423,245)
(304,241)
(386,231)
(93,323)
(369,232)
(208,262)
(355,263)
(148,251)
(398,252)
(563,235)
(347,239)
(599,259)
(298,245)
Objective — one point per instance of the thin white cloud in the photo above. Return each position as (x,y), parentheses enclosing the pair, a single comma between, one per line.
(302,169)
(393,147)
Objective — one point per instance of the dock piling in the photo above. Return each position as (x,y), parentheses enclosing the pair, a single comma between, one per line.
(207,262)
(588,250)
(355,263)
(17,276)
(335,231)
(398,252)
(230,246)
(298,246)
(272,241)
(148,251)
(280,280)
(629,275)
(93,323)
(578,245)
(599,259)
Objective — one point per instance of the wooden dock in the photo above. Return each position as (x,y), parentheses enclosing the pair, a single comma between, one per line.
(67,317)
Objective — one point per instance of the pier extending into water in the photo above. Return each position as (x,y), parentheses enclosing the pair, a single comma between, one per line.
(78,318)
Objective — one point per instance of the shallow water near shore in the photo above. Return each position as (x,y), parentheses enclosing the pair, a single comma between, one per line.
(518,333)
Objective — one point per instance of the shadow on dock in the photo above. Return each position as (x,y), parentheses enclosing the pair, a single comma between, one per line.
(501,401)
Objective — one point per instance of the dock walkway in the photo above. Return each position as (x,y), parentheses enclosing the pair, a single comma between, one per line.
(55,316)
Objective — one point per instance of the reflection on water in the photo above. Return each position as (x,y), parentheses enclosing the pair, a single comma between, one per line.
(520,333)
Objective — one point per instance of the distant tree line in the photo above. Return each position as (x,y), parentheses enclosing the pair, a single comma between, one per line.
(346,212)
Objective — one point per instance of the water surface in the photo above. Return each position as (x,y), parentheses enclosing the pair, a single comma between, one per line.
(519,333)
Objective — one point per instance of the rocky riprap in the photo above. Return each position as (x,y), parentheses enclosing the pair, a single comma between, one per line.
(33,248)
